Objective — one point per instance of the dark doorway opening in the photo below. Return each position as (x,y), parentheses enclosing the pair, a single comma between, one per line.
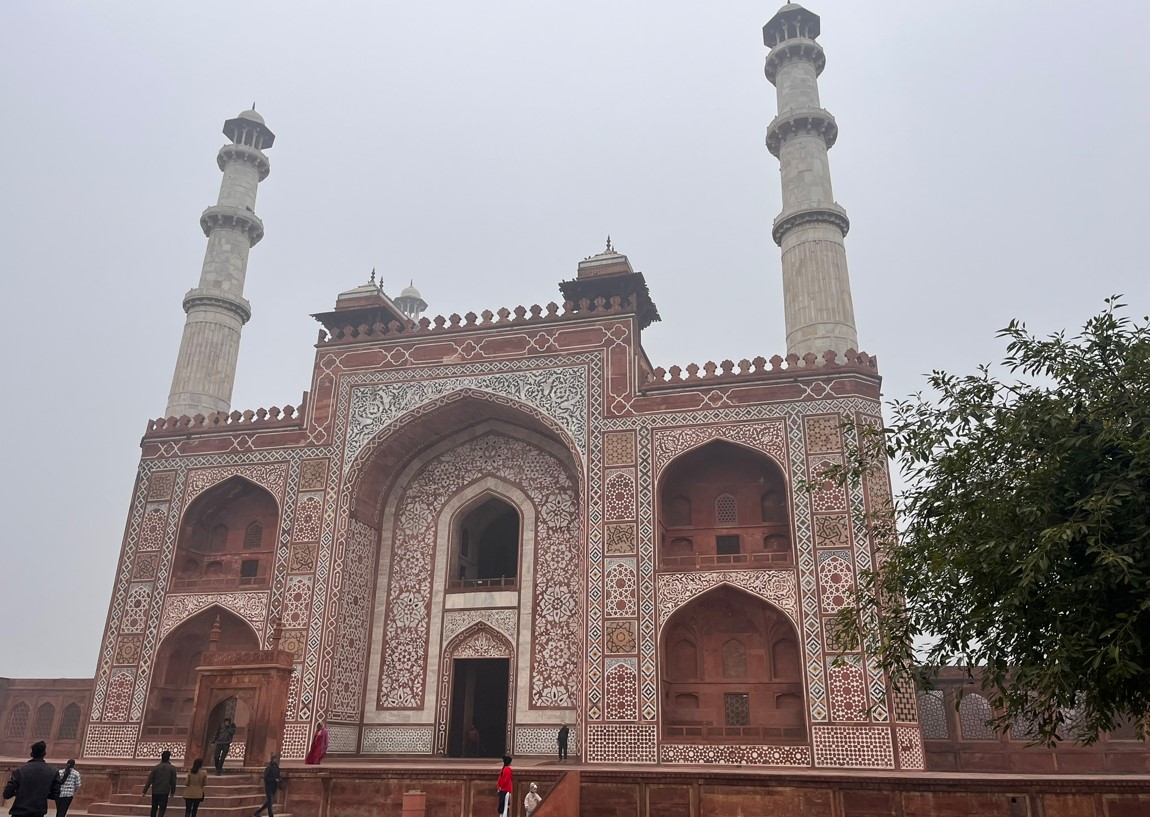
(478,699)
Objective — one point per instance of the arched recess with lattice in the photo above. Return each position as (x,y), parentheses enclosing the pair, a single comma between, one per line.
(721,505)
(731,672)
(226,539)
(171,693)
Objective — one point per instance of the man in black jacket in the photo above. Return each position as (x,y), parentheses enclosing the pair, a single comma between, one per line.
(32,785)
(162,782)
(271,784)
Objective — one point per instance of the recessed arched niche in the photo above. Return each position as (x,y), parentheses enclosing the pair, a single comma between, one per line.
(723,505)
(173,685)
(730,672)
(485,546)
(227,539)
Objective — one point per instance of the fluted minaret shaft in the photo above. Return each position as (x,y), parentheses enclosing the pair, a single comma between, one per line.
(811,226)
(216,309)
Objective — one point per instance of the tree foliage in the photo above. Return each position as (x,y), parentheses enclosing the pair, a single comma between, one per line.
(1022,544)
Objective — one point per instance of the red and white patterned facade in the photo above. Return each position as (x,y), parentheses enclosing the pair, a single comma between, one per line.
(556,412)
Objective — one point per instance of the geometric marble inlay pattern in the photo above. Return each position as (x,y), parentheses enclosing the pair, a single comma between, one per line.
(736,755)
(866,747)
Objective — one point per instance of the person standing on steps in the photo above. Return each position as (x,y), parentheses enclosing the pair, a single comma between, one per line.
(318,746)
(271,785)
(504,787)
(33,785)
(69,781)
(194,788)
(532,800)
(223,743)
(564,733)
(162,782)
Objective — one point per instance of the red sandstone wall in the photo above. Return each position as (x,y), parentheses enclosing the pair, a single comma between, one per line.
(35,693)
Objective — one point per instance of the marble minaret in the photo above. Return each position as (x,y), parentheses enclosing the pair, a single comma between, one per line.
(217,309)
(811,226)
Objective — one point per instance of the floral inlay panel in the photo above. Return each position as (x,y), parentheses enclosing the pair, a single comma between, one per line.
(556,591)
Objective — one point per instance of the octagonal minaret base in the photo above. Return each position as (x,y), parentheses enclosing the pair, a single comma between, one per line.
(216,309)
(810,228)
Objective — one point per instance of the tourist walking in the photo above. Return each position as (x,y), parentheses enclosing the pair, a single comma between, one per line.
(271,785)
(33,784)
(223,743)
(162,782)
(503,786)
(318,746)
(194,788)
(69,781)
(564,733)
(532,800)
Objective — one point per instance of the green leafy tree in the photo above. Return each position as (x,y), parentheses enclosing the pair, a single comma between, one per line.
(1022,540)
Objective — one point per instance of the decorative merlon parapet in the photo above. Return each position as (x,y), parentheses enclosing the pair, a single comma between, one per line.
(822,213)
(798,121)
(247,155)
(711,373)
(232,218)
(520,316)
(260,419)
(791,50)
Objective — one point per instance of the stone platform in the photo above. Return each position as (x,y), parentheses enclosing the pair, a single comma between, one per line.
(460,788)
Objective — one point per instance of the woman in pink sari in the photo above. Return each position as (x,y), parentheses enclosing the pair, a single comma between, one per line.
(318,745)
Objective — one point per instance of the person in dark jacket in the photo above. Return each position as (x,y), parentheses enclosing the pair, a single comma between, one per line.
(162,782)
(32,784)
(223,744)
(271,785)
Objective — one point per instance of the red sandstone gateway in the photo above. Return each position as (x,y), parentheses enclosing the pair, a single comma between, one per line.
(476,528)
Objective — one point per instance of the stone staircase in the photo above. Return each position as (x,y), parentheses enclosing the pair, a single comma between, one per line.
(232,794)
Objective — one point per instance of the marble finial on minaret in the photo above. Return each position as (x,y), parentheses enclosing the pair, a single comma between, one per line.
(811,226)
(216,309)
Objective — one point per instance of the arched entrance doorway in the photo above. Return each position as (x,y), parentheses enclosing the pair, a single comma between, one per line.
(477,669)
(173,688)
(731,672)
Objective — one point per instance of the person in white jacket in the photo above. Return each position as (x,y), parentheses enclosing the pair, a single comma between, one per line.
(532,800)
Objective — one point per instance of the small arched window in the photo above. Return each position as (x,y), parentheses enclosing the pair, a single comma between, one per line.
(45,715)
(254,536)
(726,511)
(69,723)
(18,720)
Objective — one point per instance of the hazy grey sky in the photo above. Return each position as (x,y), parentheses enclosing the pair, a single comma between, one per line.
(992,157)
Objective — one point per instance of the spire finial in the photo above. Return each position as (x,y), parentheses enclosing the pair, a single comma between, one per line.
(253,106)
(371,280)
(609,247)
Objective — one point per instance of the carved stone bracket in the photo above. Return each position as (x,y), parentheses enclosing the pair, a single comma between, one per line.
(791,50)
(232,218)
(800,121)
(831,214)
(246,154)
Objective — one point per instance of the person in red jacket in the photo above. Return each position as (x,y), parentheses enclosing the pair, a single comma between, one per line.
(504,787)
